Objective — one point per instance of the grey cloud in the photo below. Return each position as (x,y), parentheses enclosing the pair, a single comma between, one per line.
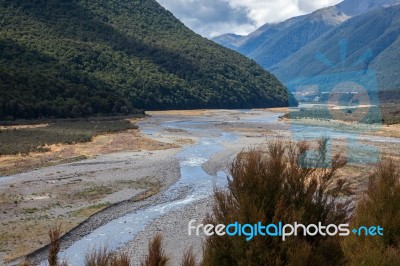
(215,17)
(307,6)
(209,17)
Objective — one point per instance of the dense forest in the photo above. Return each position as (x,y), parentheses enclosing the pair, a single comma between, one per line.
(76,58)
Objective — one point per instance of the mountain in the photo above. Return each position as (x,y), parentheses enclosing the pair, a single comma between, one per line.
(78,58)
(278,41)
(377,31)
(273,44)
(227,39)
(354,8)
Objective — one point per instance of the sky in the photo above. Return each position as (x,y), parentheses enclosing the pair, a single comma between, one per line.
(212,18)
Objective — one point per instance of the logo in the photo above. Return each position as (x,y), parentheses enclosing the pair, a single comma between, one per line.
(249,231)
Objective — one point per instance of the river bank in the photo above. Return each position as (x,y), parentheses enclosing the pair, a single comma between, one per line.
(82,180)
(208,142)
(173,226)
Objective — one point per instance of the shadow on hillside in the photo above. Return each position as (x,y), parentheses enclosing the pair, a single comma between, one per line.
(71,20)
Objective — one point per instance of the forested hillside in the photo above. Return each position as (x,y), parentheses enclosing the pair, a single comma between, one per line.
(79,58)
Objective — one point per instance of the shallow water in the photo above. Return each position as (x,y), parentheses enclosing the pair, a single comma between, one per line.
(199,184)
(120,231)
(357,151)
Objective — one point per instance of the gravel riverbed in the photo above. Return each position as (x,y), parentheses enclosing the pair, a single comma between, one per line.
(162,167)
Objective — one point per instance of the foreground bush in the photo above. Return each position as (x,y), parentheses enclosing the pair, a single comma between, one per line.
(156,256)
(54,249)
(380,205)
(103,257)
(283,184)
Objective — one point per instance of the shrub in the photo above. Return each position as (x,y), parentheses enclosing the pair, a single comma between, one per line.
(103,257)
(54,248)
(281,183)
(100,257)
(156,256)
(380,205)
(188,258)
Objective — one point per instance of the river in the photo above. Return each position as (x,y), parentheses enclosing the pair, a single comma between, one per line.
(196,181)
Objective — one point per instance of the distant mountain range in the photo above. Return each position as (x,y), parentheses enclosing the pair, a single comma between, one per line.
(81,58)
(290,49)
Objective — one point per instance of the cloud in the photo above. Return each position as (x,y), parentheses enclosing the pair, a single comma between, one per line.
(210,17)
(215,17)
(309,6)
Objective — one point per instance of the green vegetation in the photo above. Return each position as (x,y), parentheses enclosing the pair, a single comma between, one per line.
(387,111)
(88,211)
(369,115)
(390,106)
(391,114)
(26,140)
(82,58)
(93,193)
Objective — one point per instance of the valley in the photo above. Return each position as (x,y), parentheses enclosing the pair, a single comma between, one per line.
(174,178)
(121,121)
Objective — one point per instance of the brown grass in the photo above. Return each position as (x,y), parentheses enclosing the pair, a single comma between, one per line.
(100,257)
(156,256)
(89,211)
(129,140)
(188,258)
(389,131)
(22,237)
(23,126)
(16,235)
(24,263)
(120,260)
(54,235)
(103,257)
